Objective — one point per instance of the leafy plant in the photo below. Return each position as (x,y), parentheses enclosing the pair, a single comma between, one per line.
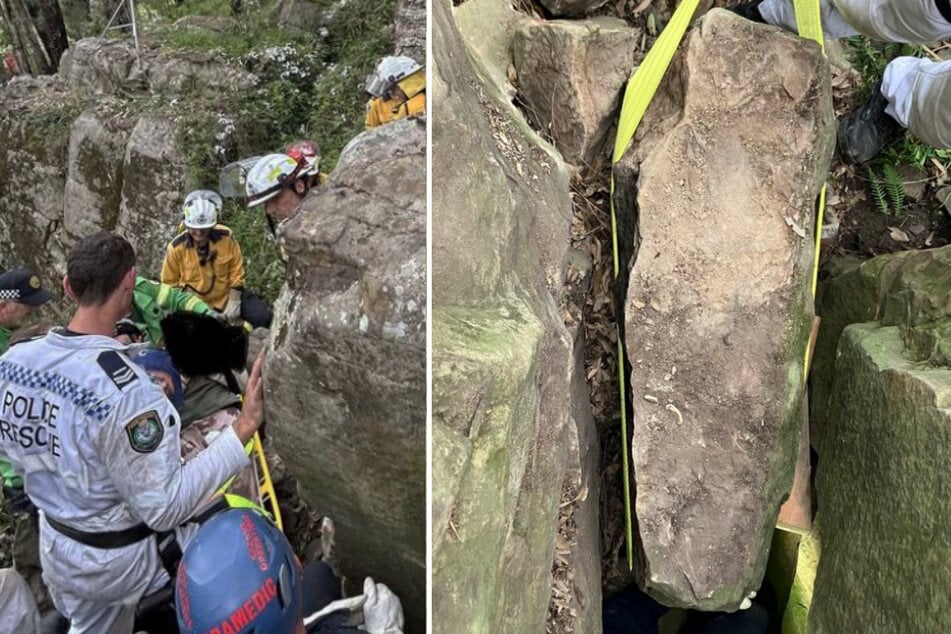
(888,189)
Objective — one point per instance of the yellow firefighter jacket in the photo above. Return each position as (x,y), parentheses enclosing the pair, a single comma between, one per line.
(209,273)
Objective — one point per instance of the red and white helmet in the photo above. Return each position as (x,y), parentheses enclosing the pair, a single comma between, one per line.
(270,175)
(201,209)
(307,155)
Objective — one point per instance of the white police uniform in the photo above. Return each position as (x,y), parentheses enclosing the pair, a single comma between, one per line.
(917,89)
(98,447)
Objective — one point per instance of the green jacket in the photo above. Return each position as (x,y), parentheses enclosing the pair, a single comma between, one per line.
(6,469)
(151,301)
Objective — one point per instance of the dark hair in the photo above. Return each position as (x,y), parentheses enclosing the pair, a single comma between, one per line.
(96,266)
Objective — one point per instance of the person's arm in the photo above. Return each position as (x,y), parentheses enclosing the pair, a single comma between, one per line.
(236,274)
(140,447)
(174,299)
(172,267)
(372,120)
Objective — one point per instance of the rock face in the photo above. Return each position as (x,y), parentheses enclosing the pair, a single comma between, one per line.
(882,487)
(731,158)
(410,29)
(880,387)
(570,76)
(571,8)
(78,155)
(512,435)
(346,379)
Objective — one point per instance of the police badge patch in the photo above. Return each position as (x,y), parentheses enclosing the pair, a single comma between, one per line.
(145,432)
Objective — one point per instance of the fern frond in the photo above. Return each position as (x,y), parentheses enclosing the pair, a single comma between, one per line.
(878,192)
(895,188)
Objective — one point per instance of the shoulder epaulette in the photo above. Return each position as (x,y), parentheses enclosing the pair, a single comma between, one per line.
(116,368)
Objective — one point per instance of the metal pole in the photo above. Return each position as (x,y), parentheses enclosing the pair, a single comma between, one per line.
(135,32)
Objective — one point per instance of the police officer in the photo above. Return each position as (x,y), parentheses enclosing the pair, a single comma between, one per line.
(20,293)
(97,444)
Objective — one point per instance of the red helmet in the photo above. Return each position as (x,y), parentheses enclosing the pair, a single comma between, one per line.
(307,155)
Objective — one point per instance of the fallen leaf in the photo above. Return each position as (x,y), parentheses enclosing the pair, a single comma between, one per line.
(799,231)
(898,235)
(929,239)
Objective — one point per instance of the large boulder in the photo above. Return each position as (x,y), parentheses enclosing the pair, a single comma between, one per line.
(515,475)
(882,486)
(908,288)
(730,159)
(97,142)
(154,184)
(346,378)
(570,76)
(35,117)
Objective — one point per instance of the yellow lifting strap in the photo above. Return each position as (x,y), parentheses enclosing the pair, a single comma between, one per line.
(637,97)
(265,484)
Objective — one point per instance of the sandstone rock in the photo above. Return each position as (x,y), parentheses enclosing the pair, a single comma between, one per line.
(488,28)
(410,29)
(346,378)
(571,8)
(909,288)
(570,76)
(731,157)
(97,144)
(94,67)
(512,436)
(35,120)
(882,490)
(153,187)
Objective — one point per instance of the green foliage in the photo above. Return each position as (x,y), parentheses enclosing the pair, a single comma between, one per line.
(888,190)
(264,267)
(306,90)
(870,58)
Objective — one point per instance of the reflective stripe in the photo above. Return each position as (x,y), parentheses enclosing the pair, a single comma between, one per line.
(164,291)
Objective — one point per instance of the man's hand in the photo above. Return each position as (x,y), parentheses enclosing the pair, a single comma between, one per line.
(252,413)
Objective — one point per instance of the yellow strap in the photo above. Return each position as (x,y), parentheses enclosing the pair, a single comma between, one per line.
(266,485)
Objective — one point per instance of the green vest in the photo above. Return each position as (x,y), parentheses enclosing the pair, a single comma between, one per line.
(152,301)
(6,469)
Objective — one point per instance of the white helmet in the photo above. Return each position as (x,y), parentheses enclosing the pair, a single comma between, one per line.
(269,176)
(389,71)
(201,209)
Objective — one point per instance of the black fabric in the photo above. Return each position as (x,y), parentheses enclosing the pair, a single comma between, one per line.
(944,7)
(320,587)
(333,623)
(254,310)
(104,539)
(202,345)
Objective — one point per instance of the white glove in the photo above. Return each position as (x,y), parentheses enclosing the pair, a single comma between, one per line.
(232,311)
(382,612)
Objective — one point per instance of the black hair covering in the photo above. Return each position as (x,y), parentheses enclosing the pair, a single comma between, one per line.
(201,344)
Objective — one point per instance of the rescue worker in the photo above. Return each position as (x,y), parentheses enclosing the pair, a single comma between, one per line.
(98,447)
(914,93)
(20,293)
(398,89)
(206,260)
(239,574)
(280,181)
(151,301)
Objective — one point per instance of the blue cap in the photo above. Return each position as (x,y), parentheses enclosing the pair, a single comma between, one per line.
(160,361)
